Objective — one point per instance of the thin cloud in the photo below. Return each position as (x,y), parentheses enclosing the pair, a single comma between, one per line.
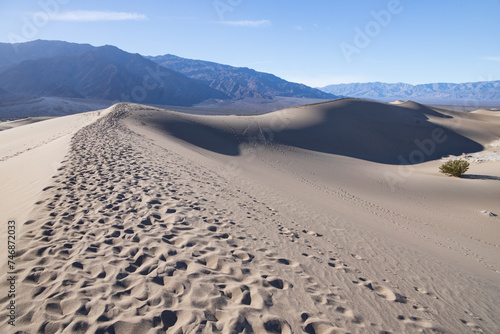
(92,16)
(178,18)
(248,23)
(492,58)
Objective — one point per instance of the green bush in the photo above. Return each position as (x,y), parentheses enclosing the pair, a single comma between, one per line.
(454,167)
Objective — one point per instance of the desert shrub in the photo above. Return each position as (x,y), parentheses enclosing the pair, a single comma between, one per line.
(454,167)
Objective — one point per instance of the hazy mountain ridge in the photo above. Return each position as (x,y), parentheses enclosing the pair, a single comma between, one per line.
(239,82)
(69,70)
(482,90)
(105,73)
(55,68)
(3,92)
(11,54)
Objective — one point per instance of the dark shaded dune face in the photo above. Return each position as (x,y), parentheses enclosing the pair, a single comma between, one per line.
(198,134)
(378,132)
(203,136)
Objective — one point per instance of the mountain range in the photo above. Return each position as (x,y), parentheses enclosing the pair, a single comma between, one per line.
(484,91)
(104,73)
(69,70)
(55,68)
(239,82)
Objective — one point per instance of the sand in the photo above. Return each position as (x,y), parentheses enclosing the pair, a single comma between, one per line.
(5,125)
(310,219)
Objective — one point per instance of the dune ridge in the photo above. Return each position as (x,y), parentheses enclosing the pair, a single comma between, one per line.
(162,222)
(362,129)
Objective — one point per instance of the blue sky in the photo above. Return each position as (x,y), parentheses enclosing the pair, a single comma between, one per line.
(313,42)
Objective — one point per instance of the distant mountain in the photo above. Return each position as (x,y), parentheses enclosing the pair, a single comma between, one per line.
(11,54)
(482,91)
(3,92)
(239,82)
(69,70)
(105,73)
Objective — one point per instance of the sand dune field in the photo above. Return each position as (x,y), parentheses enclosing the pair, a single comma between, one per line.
(325,218)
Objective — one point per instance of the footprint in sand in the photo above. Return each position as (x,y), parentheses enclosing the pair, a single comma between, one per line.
(472,325)
(243,255)
(314,234)
(423,291)
(282,261)
(416,322)
(382,291)
(316,326)
(276,282)
(357,257)
(337,264)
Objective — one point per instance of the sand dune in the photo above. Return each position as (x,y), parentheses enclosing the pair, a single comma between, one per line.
(361,129)
(301,220)
(29,156)
(20,122)
(487,111)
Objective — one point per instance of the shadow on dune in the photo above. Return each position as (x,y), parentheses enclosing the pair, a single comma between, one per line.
(480,177)
(200,135)
(378,132)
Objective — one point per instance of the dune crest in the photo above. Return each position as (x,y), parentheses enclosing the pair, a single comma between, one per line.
(362,129)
